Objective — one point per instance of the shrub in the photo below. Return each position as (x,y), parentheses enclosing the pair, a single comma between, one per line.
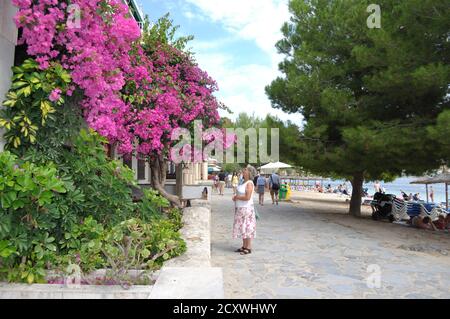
(31,100)
(86,217)
(26,221)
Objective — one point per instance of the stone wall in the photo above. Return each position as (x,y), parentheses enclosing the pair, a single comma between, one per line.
(191,275)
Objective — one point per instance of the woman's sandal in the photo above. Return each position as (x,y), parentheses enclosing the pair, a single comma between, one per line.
(246,251)
(240,250)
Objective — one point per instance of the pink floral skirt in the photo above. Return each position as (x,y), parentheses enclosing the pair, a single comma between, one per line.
(244,223)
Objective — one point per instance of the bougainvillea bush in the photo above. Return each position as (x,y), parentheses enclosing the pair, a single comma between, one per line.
(135,92)
(93,78)
(136,87)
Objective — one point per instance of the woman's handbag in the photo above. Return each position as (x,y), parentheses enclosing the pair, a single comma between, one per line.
(257,216)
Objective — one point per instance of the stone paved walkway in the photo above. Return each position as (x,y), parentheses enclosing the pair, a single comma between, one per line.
(299,253)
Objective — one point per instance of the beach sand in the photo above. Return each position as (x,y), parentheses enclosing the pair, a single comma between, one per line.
(334,208)
(326,203)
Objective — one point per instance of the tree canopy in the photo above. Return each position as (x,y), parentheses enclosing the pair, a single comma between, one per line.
(374,100)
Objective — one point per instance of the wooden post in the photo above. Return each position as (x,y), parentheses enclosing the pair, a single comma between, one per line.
(179,180)
(426,187)
(446,195)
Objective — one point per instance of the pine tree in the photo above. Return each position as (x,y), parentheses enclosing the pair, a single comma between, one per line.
(370,97)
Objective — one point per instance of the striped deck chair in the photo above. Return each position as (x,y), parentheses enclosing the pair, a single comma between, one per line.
(400,210)
(433,213)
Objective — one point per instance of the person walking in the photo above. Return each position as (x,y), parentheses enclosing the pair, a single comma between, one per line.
(377,187)
(216,183)
(256,178)
(261,185)
(235,182)
(222,178)
(244,225)
(274,183)
(229,178)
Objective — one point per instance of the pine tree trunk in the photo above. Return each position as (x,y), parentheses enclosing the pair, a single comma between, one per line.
(158,180)
(355,202)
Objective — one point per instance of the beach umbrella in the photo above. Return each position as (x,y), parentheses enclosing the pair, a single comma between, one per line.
(275,165)
(424,181)
(442,178)
(272,167)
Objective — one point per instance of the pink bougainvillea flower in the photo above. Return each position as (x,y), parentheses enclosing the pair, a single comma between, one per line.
(55,95)
(134,96)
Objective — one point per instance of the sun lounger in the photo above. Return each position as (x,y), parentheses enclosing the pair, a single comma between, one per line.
(400,210)
(432,212)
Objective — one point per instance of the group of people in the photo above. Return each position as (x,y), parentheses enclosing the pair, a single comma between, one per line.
(262,183)
(416,197)
(341,189)
(425,222)
(411,197)
(223,180)
(271,183)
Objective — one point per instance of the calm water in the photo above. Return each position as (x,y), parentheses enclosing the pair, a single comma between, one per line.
(401,184)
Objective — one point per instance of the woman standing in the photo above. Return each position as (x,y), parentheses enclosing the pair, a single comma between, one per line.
(261,185)
(432,194)
(234,182)
(244,217)
(216,183)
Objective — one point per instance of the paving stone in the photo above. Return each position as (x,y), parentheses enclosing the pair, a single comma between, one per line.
(301,254)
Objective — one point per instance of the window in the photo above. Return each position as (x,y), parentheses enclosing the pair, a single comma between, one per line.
(142,170)
(128,161)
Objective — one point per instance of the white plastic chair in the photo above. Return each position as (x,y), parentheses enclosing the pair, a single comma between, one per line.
(434,213)
(400,210)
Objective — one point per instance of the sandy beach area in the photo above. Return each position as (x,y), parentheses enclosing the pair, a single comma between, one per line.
(334,209)
(325,202)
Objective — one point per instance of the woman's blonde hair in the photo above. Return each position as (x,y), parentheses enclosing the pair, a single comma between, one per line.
(252,172)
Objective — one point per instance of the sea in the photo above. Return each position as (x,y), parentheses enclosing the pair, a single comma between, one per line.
(397,186)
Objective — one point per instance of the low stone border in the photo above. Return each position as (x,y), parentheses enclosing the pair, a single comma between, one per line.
(189,283)
(191,275)
(196,233)
(184,277)
(45,291)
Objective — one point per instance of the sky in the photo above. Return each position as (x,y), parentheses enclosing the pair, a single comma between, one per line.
(235,43)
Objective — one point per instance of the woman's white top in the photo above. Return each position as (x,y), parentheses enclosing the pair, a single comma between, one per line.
(240,191)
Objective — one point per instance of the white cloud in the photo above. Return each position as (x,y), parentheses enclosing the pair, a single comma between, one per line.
(242,86)
(257,20)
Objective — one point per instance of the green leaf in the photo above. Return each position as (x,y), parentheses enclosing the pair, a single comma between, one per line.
(66,77)
(30,278)
(145,253)
(18,204)
(9,103)
(18,85)
(5,249)
(45,198)
(7,199)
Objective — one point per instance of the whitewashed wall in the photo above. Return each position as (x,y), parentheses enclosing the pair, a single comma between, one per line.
(8,40)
